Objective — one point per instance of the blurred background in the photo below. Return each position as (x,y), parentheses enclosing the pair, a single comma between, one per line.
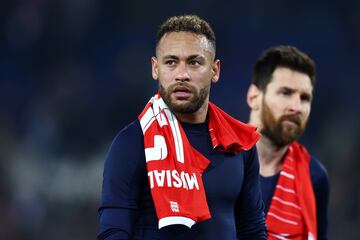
(74,72)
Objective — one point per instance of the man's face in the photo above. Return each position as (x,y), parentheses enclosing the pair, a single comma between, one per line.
(185,68)
(286,106)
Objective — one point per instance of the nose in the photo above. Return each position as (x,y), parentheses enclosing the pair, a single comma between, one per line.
(295,104)
(182,74)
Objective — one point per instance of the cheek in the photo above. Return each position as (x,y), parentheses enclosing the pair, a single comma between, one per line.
(276,107)
(203,76)
(165,76)
(307,112)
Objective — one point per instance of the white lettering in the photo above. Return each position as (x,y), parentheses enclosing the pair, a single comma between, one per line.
(159,177)
(159,151)
(177,181)
(172,178)
(183,179)
(168,178)
(191,181)
(151,179)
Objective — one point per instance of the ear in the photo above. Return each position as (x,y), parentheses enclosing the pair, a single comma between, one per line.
(154,68)
(215,71)
(253,97)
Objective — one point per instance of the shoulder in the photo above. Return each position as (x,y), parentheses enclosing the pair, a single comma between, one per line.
(128,143)
(251,158)
(124,168)
(130,135)
(317,169)
(251,154)
(131,129)
(319,174)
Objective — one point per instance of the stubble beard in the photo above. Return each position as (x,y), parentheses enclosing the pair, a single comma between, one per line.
(186,106)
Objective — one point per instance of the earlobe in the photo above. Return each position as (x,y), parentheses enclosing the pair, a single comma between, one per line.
(154,68)
(253,97)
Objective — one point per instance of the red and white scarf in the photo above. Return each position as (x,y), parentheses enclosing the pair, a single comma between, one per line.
(175,168)
(292,212)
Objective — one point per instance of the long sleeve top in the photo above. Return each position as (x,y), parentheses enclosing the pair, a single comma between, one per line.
(321,186)
(231,183)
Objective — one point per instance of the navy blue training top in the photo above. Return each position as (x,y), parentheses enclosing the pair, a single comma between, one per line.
(321,186)
(231,183)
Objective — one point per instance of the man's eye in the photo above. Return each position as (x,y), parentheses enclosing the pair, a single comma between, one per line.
(170,62)
(194,63)
(285,93)
(306,98)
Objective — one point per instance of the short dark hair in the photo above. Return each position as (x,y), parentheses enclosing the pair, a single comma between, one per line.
(282,56)
(187,23)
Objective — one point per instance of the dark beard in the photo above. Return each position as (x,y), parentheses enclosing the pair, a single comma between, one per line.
(191,106)
(279,134)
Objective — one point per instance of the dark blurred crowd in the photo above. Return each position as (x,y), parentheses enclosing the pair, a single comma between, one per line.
(72,73)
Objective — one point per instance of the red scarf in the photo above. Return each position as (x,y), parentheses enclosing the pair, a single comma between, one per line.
(292,212)
(175,168)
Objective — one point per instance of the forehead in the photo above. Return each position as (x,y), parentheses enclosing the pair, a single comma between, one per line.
(188,43)
(283,77)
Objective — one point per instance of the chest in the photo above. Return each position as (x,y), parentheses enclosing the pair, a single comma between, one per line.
(224,176)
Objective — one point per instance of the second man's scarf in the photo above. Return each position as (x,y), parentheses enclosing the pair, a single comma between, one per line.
(292,212)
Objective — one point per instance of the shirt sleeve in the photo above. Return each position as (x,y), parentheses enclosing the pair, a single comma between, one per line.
(321,187)
(123,180)
(249,210)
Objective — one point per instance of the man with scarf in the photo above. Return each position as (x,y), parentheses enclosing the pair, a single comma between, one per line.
(184,169)
(295,186)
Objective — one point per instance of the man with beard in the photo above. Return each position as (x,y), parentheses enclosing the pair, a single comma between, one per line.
(184,169)
(295,186)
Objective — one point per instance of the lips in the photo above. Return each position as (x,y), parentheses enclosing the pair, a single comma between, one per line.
(292,123)
(292,120)
(182,92)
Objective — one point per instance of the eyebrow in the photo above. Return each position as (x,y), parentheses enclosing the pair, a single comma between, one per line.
(170,57)
(191,57)
(309,95)
(287,89)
